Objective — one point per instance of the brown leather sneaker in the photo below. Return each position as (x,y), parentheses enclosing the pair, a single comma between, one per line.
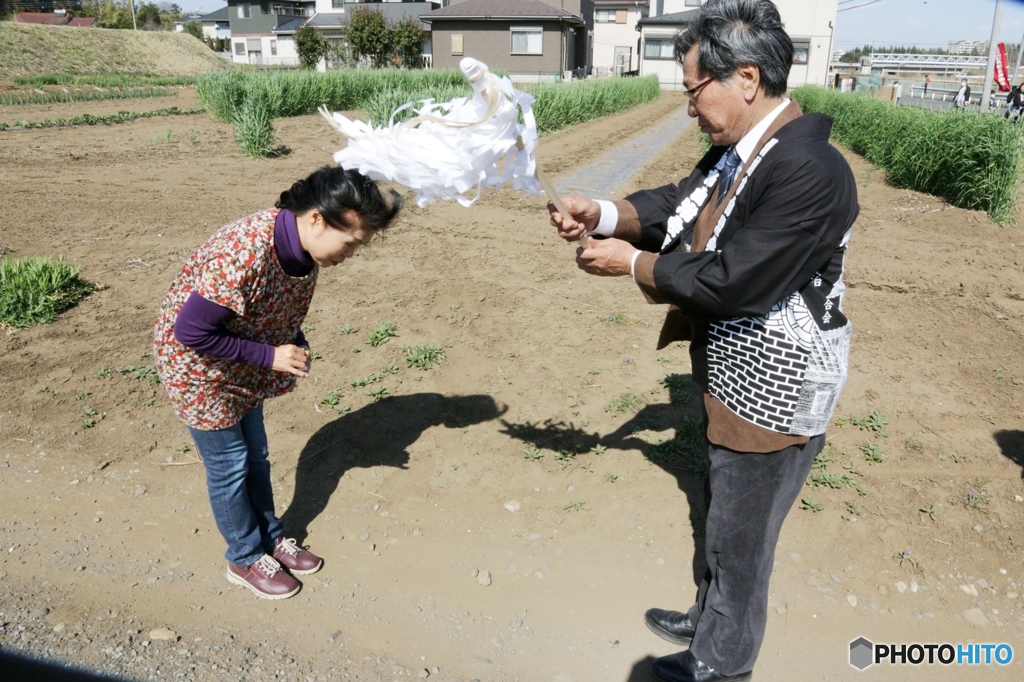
(265,578)
(294,558)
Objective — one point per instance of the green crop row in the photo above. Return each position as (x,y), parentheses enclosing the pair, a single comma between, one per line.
(236,96)
(104,80)
(972,159)
(33,97)
(89,119)
(295,93)
(559,105)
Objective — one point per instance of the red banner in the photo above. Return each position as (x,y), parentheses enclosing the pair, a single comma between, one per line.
(1002,79)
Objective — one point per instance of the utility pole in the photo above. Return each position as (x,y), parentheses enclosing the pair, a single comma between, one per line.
(1016,69)
(986,93)
(131,3)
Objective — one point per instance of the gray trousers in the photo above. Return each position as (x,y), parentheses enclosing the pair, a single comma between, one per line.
(747,496)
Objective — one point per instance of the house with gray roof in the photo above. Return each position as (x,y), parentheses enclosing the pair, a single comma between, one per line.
(216,24)
(534,40)
(264,32)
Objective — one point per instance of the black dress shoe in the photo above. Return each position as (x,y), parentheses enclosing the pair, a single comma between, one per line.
(671,625)
(684,667)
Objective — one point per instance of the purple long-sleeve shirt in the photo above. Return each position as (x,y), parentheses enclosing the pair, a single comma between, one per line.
(202,324)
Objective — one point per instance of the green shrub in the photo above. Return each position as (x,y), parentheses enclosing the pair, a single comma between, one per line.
(37,290)
(972,159)
(254,128)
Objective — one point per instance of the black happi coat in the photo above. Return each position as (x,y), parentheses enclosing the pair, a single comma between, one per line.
(765,296)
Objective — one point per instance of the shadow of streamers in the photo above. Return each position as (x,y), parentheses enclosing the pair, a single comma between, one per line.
(378,434)
(641,671)
(1011,442)
(683,455)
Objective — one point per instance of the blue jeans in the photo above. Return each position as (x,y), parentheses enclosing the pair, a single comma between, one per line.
(238,479)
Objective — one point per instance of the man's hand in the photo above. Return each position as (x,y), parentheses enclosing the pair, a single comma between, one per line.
(291,359)
(606,257)
(585,214)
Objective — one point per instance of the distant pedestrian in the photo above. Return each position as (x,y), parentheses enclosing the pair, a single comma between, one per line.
(927,80)
(1015,102)
(897,92)
(963,95)
(230,336)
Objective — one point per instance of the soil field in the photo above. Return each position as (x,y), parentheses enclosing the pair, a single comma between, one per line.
(493,518)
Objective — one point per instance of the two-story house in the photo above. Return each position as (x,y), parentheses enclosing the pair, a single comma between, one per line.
(252,26)
(616,38)
(534,40)
(263,34)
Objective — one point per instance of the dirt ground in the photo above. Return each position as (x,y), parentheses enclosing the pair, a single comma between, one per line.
(106,532)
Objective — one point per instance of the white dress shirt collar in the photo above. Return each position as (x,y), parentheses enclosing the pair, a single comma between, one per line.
(745,147)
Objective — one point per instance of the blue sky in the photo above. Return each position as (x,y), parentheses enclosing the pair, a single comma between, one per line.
(925,23)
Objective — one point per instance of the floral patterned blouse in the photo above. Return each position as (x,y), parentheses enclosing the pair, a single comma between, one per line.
(236,268)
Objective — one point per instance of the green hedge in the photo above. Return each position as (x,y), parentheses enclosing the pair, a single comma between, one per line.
(380,91)
(973,159)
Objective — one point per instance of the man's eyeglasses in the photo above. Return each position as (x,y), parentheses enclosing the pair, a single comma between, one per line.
(694,92)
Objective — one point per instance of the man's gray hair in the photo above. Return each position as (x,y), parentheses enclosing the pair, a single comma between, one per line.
(731,33)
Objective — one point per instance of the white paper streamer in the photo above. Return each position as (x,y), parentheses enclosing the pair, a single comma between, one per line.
(450,147)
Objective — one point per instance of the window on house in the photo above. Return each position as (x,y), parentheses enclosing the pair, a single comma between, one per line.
(273,48)
(240,49)
(801,51)
(456,43)
(338,4)
(658,48)
(620,16)
(604,16)
(244,12)
(527,40)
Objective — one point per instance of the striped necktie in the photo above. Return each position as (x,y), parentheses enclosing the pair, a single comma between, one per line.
(728,172)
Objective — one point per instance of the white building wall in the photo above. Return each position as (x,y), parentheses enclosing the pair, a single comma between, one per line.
(608,36)
(809,24)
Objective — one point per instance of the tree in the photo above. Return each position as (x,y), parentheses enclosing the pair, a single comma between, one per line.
(194,29)
(311,46)
(368,36)
(407,42)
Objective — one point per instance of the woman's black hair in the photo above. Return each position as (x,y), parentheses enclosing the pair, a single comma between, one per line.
(333,191)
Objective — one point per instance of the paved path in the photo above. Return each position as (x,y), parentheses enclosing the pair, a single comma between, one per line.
(600,179)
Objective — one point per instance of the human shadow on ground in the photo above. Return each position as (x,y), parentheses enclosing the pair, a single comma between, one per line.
(378,434)
(641,671)
(684,455)
(1011,442)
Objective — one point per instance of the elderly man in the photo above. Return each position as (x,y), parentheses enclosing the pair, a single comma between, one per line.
(748,251)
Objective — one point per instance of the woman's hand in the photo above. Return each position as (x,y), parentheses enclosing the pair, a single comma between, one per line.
(291,359)
(585,214)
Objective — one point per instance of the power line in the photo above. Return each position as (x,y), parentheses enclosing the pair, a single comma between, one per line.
(847,9)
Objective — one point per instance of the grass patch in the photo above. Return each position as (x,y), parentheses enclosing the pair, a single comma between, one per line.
(60,96)
(106,119)
(424,355)
(379,92)
(382,333)
(104,80)
(254,128)
(625,402)
(973,159)
(37,290)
